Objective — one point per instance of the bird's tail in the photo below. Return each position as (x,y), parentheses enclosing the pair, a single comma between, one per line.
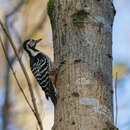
(50,92)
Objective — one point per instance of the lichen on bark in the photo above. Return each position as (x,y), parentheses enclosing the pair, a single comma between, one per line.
(50,7)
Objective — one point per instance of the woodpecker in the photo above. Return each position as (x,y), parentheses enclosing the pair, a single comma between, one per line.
(39,64)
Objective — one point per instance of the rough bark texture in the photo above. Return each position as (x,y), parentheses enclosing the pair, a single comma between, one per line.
(82,34)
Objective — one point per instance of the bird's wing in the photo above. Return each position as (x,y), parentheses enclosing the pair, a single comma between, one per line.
(40,70)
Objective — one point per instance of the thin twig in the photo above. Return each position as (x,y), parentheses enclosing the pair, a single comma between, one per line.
(7,82)
(2,44)
(116,100)
(25,73)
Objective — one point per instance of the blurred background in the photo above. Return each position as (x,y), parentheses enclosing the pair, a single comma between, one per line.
(24,19)
(121,62)
(28,19)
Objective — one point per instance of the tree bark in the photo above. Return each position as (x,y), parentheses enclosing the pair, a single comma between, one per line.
(82,35)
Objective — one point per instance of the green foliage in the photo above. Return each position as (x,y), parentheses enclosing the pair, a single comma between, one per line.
(50,7)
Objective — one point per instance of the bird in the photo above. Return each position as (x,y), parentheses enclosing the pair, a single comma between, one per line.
(39,64)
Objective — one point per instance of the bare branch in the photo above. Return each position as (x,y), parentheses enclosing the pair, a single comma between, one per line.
(2,44)
(7,82)
(25,73)
(116,117)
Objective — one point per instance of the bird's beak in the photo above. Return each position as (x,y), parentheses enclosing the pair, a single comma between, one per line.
(37,41)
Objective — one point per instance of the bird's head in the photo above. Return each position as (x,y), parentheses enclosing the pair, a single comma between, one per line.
(30,46)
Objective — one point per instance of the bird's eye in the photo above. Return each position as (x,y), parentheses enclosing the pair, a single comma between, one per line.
(32,43)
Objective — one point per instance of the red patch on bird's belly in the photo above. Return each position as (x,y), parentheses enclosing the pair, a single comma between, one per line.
(53,79)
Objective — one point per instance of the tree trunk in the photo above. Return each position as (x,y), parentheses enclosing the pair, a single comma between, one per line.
(82,35)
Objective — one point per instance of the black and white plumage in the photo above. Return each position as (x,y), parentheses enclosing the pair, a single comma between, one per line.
(39,65)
